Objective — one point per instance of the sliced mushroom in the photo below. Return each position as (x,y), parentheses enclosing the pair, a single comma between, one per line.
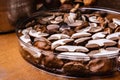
(76,23)
(68,32)
(71,17)
(100,43)
(116,21)
(117,29)
(59,19)
(64,26)
(82,40)
(102,65)
(25,38)
(91,53)
(36,34)
(60,42)
(113,36)
(48,18)
(84,30)
(112,25)
(119,43)
(83,25)
(94,19)
(108,30)
(99,35)
(70,20)
(95,29)
(51,61)
(70,48)
(80,34)
(52,26)
(113,49)
(26,31)
(58,36)
(40,28)
(54,22)
(74,68)
(35,52)
(93,24)
(106,53)
(42,43)
(74,56)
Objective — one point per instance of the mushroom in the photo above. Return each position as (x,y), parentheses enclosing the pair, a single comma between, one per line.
(53,28)
(35,52)
(77,56)
(26,31)
(94,19)
(70,48)
(113,36)
(58,36)
(82,40)
(99,43)
(99,35)
(42,43)
(25,38)
(102,65)
(95,29)
(47,19)
(55,21)
(80,34)
(74,68)
(51,61)
(106,53)
(116,21)
(117,29)
(60,42)
(36,34)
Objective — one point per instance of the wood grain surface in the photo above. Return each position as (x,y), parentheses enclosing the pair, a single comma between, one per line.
(14,67)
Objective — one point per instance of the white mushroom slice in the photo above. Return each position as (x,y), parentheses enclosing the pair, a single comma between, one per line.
(113,36)
(54,22)
(52,27)
(37,34)
(59,19)
(95,29)
(93,19)
(119,43)
(74,56)
(93,24)
(116,21)
(58,36)
(99,35)
(25,38)
(80,34)
(60,42)
(84,30)
(82,40)
(106,53)
(100,42)
(36,53)
(72,48)
(113,49)
(71,17)
(48,18)
(26,31)
(76,23)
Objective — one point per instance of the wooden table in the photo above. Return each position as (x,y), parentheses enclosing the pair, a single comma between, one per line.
(14,67)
